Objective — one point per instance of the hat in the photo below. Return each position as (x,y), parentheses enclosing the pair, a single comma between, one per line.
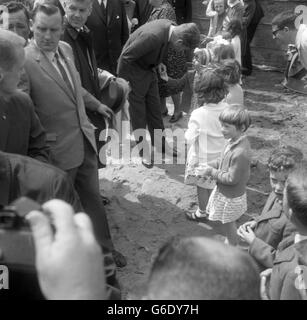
(114,92)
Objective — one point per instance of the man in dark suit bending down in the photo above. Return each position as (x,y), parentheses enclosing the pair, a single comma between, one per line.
(142,54)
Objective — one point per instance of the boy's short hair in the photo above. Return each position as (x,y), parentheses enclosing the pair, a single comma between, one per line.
(210,86)
(285,19)
(196,268)
(9,45)
(231,71)
(236,115)
(296,191)
(284,158)
(189,34)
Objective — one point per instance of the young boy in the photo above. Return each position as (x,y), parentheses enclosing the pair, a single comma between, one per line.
(272,229)
(20,129)
(289,273)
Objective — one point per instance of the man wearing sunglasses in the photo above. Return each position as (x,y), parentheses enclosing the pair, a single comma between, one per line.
(292,39)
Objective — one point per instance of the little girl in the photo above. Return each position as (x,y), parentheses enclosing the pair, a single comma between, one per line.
(233,34)
(227,202)
(231,72)
(186,84)
(204,134)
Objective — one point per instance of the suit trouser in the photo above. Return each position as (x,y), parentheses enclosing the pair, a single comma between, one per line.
(85,179)
(144,100)
(247,57)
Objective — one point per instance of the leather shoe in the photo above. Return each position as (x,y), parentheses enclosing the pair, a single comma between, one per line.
(175,117)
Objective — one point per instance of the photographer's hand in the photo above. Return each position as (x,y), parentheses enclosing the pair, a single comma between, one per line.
(69,262)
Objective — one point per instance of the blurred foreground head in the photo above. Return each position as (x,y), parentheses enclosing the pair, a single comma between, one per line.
(200,268)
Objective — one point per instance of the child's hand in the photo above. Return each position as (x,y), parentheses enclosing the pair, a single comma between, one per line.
(163,75)
(203,170)
(251,224)
(162,71)
(246,234)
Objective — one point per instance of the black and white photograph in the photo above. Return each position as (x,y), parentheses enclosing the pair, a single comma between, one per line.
(153,150)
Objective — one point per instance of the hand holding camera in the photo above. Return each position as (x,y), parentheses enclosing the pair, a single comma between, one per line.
(62,246)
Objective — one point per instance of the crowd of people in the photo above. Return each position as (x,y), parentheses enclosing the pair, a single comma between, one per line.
(58,62)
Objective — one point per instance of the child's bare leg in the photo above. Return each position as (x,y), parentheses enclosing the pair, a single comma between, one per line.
(203,197)
(230,231)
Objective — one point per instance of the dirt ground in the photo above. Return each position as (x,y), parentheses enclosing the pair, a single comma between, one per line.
(148,205)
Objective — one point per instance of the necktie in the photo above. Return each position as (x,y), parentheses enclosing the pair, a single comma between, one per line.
(103,10)
(63,72)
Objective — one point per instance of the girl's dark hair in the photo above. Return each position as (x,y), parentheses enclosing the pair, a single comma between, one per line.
(235,27)
(210,86)
(236,115)
(296,191)
(284,158)
(231,71)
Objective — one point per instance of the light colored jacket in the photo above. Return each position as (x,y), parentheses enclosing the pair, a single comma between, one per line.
(61,112)
(204,133)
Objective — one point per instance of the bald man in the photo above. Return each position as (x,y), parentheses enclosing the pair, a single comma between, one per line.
(200,268)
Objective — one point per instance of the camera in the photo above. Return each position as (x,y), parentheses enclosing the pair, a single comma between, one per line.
(17,251)
(16,243)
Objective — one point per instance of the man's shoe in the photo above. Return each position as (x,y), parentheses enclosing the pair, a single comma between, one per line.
(119,259)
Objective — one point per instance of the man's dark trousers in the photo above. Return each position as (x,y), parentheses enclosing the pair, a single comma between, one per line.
(144,100)
(85,179)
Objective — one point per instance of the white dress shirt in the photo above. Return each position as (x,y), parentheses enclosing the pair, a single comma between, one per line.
(105,2)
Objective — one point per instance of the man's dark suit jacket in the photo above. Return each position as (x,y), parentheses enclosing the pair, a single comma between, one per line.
(82,46)
(142,11)
(24,176)
(109,33)
(183,9)
(288,264)
(145,48)
(20,129)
